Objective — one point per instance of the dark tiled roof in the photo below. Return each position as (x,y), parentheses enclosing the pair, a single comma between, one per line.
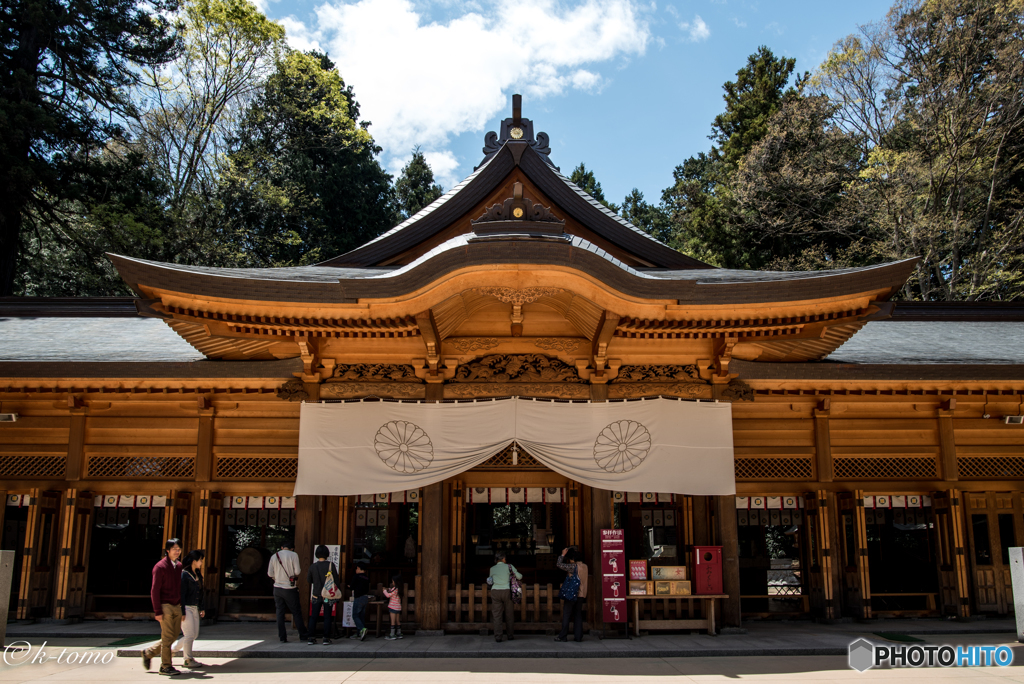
(321,285)
(20,307)
(92,339)
(454,204)
(935,342)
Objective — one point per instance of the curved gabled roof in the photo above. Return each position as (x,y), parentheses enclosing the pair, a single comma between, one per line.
(454,204)
(325,285)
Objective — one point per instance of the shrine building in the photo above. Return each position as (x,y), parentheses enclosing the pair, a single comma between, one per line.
(876,452)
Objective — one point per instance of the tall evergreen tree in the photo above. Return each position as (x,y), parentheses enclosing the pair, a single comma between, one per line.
(303,182)
(415,187)
(66,69)
(750,101)
(585,181)
(651,218)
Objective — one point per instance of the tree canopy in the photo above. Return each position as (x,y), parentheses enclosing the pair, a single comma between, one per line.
(66,71)
(415,187)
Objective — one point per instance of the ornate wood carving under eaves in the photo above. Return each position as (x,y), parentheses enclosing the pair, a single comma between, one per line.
(384,390)
(737,390)
(464,345)
(668,373)
(517,297)
(480,390)
(362,372)
(293,390)
(635,390)
(517,368)
(566,345)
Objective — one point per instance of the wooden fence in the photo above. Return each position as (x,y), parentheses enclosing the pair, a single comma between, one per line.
(468,608)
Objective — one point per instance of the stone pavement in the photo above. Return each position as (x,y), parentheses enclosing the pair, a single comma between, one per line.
(259,640)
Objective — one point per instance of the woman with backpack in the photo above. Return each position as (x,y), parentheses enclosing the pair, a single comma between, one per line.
(573,592)
(322,577)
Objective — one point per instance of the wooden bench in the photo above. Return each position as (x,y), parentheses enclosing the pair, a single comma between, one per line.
(708,611)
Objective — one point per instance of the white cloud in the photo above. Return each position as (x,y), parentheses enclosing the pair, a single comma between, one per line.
(697,29)
(421,81)
(740,24)
(775,27)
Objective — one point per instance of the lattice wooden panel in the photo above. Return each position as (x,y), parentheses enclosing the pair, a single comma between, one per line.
(773,468)
(20,465)
(997,467)
(255,468)
(503,460)
(853,468)
(175,467)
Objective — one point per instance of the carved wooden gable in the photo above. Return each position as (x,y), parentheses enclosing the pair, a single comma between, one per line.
(517,368)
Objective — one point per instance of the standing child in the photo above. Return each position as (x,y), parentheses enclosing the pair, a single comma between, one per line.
(394,608)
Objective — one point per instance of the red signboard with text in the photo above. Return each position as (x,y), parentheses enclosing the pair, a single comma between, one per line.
(614,585)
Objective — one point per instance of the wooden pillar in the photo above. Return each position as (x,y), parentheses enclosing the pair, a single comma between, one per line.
(305,533)
(343,538)
(458,532)
(956,520)
(823,442)
(947,447)
(428,609)
(74,467)
(823,530)
(860,536)
(728,533)
(67,530)
(28,557)
(600,519)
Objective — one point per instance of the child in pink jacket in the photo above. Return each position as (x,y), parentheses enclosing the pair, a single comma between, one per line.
(394,608)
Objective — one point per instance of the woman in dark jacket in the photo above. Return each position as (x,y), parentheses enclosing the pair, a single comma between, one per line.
(317,577)
(192,608)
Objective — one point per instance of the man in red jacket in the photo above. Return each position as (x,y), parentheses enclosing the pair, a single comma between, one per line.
(166,595)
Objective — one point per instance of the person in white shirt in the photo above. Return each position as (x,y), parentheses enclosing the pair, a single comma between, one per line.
(285,569)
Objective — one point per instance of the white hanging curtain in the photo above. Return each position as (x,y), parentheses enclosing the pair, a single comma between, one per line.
(657,445)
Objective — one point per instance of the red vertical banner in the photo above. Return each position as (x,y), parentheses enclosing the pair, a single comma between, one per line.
(614,585)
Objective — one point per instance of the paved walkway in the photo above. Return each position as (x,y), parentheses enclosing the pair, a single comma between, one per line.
(259,640)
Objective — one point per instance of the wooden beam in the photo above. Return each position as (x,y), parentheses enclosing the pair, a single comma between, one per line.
(947,446)
(823,442)
(860,536)
(729,537)
(29,555)
(74,467)
(204,442)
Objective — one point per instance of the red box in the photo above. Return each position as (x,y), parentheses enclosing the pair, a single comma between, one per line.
(614,610)
(614,586)
(638,569)
(707,570)
(613,562)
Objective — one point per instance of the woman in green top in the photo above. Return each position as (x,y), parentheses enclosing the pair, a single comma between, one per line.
(501,595)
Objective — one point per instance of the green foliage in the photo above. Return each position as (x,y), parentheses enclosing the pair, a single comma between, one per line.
(651,218)
(586,182)
(302,181)
(64,82)
(750,100)
(415,187)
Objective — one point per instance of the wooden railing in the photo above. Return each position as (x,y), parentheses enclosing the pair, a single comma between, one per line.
(468,607)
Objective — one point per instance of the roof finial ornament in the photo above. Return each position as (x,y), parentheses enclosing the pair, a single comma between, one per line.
(516,129)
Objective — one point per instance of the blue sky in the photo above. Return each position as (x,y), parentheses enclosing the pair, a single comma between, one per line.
(629,88)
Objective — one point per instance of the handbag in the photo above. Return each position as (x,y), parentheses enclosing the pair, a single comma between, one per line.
(570,586)
(330,591)
(514,586)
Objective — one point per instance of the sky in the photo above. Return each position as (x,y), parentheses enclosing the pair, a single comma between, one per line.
(630,88)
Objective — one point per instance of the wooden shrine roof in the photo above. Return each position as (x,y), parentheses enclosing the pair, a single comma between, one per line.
(327,285)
